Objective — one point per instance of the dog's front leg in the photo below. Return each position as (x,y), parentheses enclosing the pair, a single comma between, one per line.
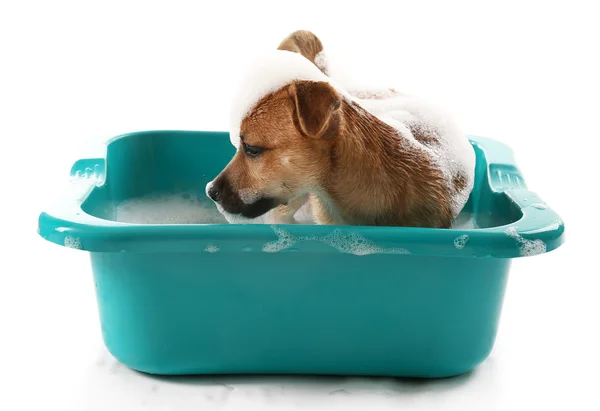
(284,214)
(323,212)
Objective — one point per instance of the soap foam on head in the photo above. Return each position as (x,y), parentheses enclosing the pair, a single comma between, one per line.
(270,72)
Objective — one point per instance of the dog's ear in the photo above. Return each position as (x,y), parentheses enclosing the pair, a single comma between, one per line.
(306,43)
(317,108)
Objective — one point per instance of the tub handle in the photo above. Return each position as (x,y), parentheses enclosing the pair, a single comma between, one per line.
(90,169)
(540,228)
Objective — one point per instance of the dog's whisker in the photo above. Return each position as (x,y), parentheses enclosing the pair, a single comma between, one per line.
(286,186)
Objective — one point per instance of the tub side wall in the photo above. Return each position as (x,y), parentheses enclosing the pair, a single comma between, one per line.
(396,315)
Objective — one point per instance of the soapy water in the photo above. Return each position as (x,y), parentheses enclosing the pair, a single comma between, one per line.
(190,208)
(461,241)
(184,208)
(73,242)
(527,247)
(347,243)
(465,221)
(211,248)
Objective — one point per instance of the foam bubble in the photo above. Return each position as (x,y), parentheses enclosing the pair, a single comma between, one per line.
(347,243)
(269,72)
(453,154)
(527,247)
(461,241)
(183,208)
(73,242)
(211,248)
(284,240)
(465,221)
(321,61)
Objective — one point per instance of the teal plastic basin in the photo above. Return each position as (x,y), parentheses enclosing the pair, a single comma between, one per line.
(292,299)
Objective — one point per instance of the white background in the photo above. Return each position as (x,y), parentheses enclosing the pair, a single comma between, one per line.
(522,72)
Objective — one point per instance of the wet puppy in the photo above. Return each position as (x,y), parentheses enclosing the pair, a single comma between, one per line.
(361,157)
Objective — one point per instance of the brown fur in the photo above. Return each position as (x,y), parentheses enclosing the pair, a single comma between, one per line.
(357,169)
(305,43)
(354,168)
(309,45)
(459,182)
(424,135)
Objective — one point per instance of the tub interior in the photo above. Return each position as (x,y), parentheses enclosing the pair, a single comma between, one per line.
(160,177)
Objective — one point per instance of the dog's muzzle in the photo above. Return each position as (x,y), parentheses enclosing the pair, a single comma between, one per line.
(221,192)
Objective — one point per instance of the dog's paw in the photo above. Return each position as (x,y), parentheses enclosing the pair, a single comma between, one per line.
(276,217)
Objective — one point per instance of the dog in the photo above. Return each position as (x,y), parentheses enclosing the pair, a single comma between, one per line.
(356,157)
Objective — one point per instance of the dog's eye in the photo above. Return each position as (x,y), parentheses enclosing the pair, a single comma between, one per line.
(252,151)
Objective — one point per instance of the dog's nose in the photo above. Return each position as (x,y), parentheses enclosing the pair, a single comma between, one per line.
(214,193)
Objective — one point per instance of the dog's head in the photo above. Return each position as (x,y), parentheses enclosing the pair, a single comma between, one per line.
(284,149)
(284,140)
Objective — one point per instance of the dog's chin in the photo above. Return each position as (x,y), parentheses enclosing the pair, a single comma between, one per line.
(254,213)
(239,219)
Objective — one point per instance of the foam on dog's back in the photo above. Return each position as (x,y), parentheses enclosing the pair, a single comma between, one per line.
(452,152)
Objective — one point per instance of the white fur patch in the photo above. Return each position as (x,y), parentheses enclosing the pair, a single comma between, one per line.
(236,218)
(248,196)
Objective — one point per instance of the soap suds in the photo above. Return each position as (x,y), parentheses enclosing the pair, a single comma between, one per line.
(527,247)
(270,72)
(322,62)
(461,241)
(348,243)
(190,208)
(73,242)
(465,221)
(211,248)
(186,208)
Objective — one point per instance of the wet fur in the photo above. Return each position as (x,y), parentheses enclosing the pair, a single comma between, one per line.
(352,167)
